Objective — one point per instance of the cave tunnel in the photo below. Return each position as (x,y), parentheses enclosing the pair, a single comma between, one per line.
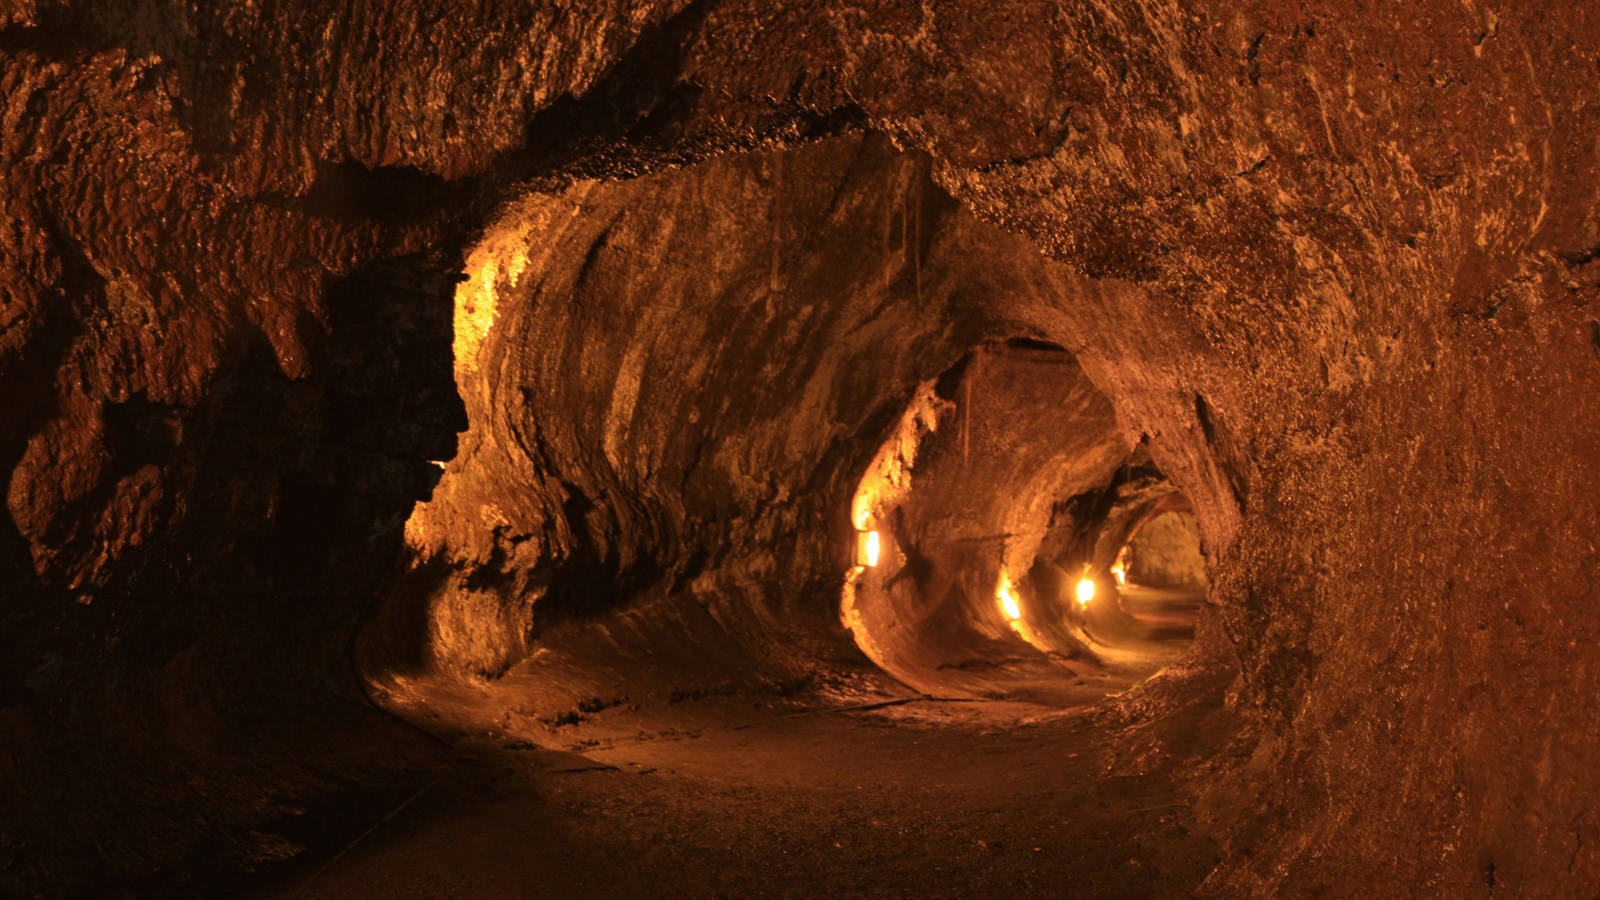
(730,449)
(986,540)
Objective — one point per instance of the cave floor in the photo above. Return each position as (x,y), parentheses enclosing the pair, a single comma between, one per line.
(1171,612)
(921,799)
(753,793)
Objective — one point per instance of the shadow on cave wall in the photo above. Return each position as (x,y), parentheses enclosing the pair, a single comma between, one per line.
(295,494)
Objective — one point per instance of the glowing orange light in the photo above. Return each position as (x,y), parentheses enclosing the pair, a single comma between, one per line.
(868,546)
(1119,573)
(1009,602)
(1085,591)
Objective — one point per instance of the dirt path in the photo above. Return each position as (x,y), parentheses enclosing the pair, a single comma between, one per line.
(745,794)
(917,800)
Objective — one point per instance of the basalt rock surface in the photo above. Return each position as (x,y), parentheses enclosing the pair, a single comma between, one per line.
(675,271)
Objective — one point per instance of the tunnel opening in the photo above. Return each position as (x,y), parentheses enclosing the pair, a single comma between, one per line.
(669,410)
(999,522)
(780,477)
(788,428)
(1159,573)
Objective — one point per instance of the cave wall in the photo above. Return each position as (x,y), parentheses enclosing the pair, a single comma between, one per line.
(1166,553)
(1346,285)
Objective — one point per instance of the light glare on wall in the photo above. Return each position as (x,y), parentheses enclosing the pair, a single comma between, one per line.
(868,546)
(1085,591)
(1007,596)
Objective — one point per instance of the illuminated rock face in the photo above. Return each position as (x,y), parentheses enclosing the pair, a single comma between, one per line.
(685,376)
(1018,433)
(1166,553)
(1345,283)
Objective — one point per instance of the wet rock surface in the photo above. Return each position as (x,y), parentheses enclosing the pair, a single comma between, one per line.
(683,266)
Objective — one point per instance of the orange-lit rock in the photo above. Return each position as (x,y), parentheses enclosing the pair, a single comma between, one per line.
(675,273)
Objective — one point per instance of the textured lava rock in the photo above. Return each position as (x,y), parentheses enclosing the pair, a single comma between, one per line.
(1166,553)
(1346,288)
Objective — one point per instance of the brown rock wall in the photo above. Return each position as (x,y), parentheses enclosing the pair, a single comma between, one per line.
(1347,288)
